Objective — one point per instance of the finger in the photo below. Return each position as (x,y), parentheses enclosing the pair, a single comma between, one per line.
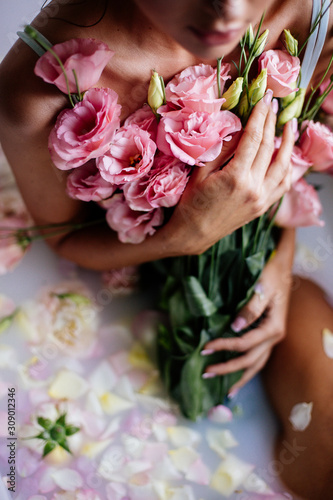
(283,157)
(248,375)
(252,136)
(240,344)
(243,362)
(265,152)
(252,310)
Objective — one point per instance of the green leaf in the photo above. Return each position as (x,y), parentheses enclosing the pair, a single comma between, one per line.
(179,312)
(65,446)
(46,423)
(198,302)
(180,335)
(71,429)
(50,445)
(61,420)
(255,263)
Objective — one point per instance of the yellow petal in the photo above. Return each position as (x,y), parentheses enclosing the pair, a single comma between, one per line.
(139,358)
(183,457)
(111,403)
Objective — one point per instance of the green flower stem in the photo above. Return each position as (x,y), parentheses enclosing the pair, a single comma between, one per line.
(219,63)
(251,54)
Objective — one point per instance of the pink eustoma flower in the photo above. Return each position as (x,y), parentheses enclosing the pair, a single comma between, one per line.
(300,164)
(145,119)
(88,57)
(131,226)
(130,157)
(161,187)
(195,137)
(300,207)
(85,131)
(86,183)
(282,71)
(196,88)
(316,144)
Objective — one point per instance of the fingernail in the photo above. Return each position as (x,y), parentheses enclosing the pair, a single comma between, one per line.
(294,125)
(232,394)
(206,352)
(275,106)
(268,97)
(208,375)
(238,324)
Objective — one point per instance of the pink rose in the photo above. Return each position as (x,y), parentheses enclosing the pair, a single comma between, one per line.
(86,183)
(85,131)
(328,102)
(282,71)
(131,226)
(161,187)
(196,88)
(300,164)
(145,119)
(300,207)
(88,57)
(195,137)
(131,156)
(316,144)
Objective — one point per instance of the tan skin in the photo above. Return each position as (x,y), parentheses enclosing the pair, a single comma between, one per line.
(146,35)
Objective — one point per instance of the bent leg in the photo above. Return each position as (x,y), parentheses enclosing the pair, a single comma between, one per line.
(300,371)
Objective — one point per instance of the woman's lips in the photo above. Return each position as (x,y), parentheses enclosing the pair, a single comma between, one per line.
(213,38)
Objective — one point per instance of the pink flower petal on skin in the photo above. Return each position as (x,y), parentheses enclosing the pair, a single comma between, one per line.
(327,336)
(220,414)
(300,416)
(198,472)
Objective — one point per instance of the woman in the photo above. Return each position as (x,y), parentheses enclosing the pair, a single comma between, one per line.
(167,37)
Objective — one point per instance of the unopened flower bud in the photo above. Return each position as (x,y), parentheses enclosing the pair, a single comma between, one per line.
(291,43)
(249,36)
(258,87)
(260,44)
(293,110)
(155,92)
(290,97)
(232,95)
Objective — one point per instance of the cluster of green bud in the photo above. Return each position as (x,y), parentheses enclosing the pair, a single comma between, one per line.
(293,110)
(291,43)
(232,95)
(156,92)
(256,91)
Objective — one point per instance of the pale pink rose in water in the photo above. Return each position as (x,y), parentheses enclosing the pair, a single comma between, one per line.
(282,71)
(121,281)
(300,207)
(145,119)
(328,102)
(195,137)
(88,57)
(161,187)
(131,226)
(85,131)
(131,156)
(316,144)
(196,88)
(86,183)
(300,164)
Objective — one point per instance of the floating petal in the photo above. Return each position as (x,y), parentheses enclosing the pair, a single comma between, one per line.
(183,436)
(198,472)
(111,403)
(328,342)
(220,440)
(230,474)
(67,385)
(67,479)
(300,416)
(183,457)
(220,414)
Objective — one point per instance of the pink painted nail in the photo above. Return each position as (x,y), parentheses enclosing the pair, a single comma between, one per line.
(206,352)
(239,324)
(208,375)
(275,106)
(232,394)
(294,125)
(268,97)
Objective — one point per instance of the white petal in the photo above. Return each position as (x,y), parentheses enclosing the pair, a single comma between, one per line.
(115,491)
(124,389)
(220,440)
(255,484)
(103,378)
(7,357)
(67,385)
(198,472)
(94,448)
(183,457)
(135,466)
(328,342)
(111,403)
(220,414)
(183,436)
(67,479)
(93,403)
(164,470)
(300,416)
(230,474)
(111,464)
(133,446)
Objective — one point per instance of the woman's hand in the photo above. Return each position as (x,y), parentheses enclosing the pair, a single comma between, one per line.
(271,297)
(217,202)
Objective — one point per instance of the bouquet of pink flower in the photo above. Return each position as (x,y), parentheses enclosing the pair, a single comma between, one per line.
(138,170)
